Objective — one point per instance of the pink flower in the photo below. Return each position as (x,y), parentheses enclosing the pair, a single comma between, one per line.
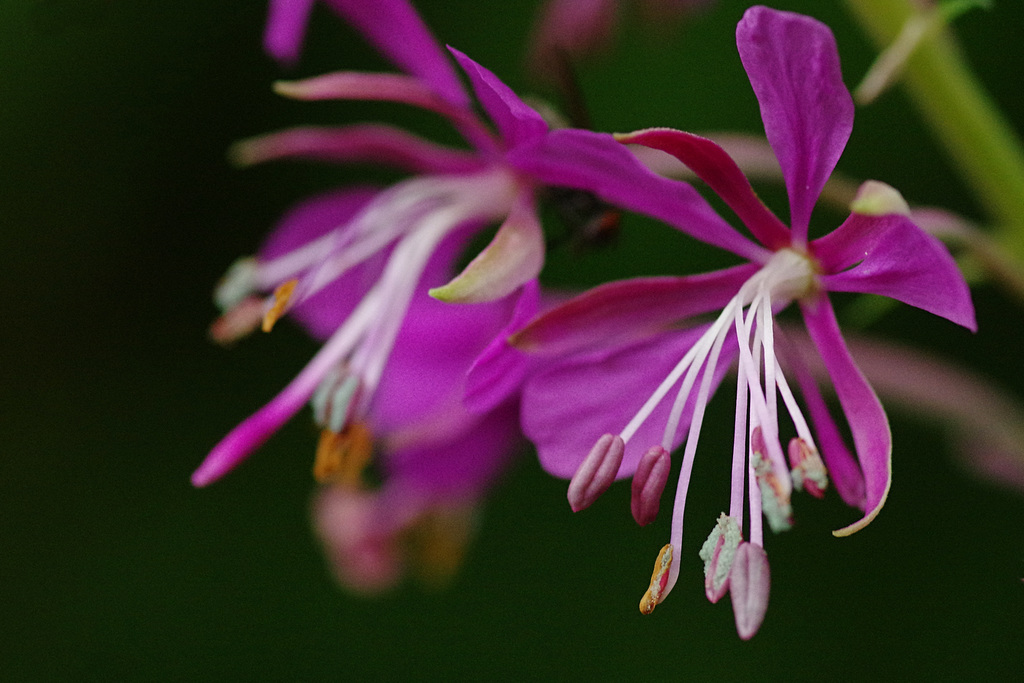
(631,343)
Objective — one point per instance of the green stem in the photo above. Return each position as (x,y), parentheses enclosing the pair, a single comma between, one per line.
(983,146)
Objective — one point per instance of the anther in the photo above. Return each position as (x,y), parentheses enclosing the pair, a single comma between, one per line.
(237,322)
(659,579)
(718,553)
(282,295)
(808,471)
(596,473)
(648,484)
(775,502)
(342,456)
(749,584)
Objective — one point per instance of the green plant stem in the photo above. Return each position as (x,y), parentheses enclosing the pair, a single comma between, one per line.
(984,148)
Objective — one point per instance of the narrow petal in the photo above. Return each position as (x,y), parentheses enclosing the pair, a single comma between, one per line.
(394,28)
(617,312)
(595,162)
(891,256)
(517,122)
(286,28)
(368,143)
(714,166)
(793,66)
(749,585)
(500,369)
(864,413)
(566,408)
(514,257)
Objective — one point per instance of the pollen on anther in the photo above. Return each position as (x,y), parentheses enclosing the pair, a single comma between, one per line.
(282,295)
(659,579)
(342,456)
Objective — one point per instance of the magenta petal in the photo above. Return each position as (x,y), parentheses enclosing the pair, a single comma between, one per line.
(517,122)
(864,413)
(567,408)
(793,66)
(618,312)
(286,28)
(597,163)
(715,167)
(369,143)
(891,256)
(500,369)
(394,28)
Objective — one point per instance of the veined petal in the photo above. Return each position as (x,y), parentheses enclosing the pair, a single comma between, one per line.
(500,369)
(394,28)
(618,312)
(595,162)
(517,122)
(864,413)
(286,28)
(568,407)
(714,166)
(513,257)
(793,65)
(369,143)
(891,256)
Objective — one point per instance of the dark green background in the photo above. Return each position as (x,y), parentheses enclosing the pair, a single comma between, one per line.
(118,212)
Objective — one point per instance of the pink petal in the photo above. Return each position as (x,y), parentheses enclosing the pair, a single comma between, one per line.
(715,167)
(618,312)
(516,121)
(568,407)
(793,66)
(595,162)
(394,28)
(891,256)
(367,143)
(499,370)
(286,28)
(864,413)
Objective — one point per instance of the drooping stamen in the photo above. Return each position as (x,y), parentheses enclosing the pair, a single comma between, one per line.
(749,585)
(238,321)
(282,295)
(648,484)
(659,579)
(775,501)
(718,553)
(240,281)
(808,471)
(596,473)
(342,456)
(335,399)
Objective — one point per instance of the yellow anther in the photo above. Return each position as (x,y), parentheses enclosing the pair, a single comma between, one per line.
(438,543)
(342,456)
(659,579)
(282,295)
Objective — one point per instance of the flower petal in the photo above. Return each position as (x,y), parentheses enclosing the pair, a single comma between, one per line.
(394,28)
(595,162)
(864,413)
(368,143)
(714,166)
(514,257)
(568,407)
(516,121)
(286,28)
(618,312)
(793,65)
(500,369)
(891,256)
